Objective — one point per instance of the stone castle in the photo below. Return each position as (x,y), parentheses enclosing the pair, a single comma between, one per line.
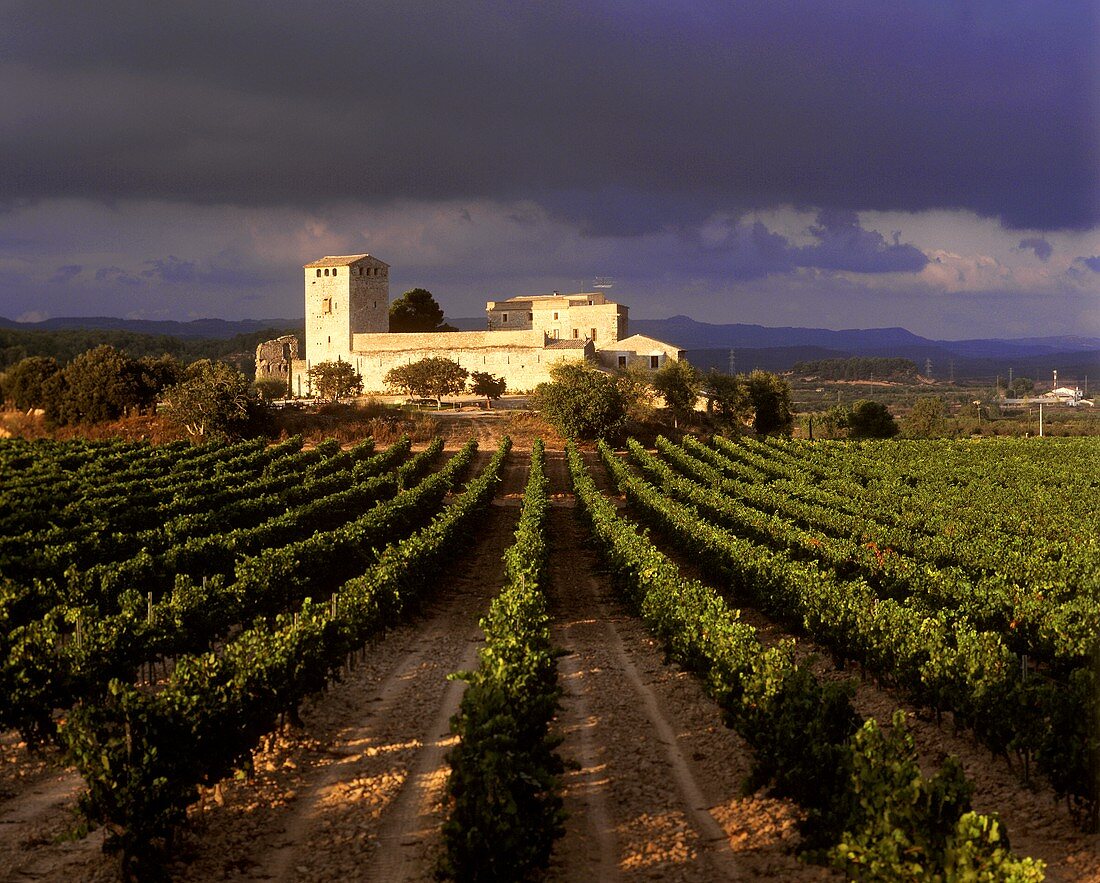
(347,319)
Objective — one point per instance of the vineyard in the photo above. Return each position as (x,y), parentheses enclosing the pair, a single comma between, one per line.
(746,659)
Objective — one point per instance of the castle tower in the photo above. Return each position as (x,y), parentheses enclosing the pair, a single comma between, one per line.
(345,295)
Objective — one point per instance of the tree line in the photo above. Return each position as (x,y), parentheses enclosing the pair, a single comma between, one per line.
(858,368)
(65,345)
(207,398)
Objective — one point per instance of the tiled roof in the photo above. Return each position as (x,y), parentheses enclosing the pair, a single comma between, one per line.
(570,343)
(341,260)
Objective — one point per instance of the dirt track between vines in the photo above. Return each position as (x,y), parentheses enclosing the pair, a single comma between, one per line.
(653,788)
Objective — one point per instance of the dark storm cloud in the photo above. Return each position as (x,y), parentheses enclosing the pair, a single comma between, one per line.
(620,116)
(1092,263)
(751,250)
(1043,249)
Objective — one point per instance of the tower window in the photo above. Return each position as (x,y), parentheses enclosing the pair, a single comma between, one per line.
(326,305)
(333,271)
(318,271)
(326,271)
(576,332)
(593,333)
(555,317)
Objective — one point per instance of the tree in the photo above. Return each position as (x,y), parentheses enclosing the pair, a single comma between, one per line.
(581,401)
(100,384)
(1021,387)
(869,419)
(728,399)
(428,378)
(679,384)
(771,403)
(270,388)
(23,382)
(926,418)
(636,386)
(334,380)
(482,383)
(832,423)
(156,374)
(213,399)
(417,310)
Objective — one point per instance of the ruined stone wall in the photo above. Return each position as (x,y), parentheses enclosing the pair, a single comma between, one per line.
(274,358)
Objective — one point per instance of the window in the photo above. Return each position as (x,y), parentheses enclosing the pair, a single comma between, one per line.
(622,361)
(504,318)
(530,317)
(333,271)
(654,361)
(326,271)
(555,317)
(330,338)
(576,331)
(554,334)
(326,305)
(318,271)
(593,334)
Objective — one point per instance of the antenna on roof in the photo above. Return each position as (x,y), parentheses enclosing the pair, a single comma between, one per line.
(603,282)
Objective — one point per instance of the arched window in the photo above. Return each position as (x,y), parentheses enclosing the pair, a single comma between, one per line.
(318,271)
(333,271)
(326,271)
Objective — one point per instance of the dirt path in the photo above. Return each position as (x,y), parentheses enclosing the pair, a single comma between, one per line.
(655,792)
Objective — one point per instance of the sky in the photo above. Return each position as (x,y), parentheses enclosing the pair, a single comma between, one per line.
(930,165)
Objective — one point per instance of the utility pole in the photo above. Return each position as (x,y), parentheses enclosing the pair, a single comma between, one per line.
(732,363)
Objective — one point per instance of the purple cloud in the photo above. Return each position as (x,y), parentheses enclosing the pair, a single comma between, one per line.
(171,270)
(65,273)
(845,245)
(1043,249)
(1092,263)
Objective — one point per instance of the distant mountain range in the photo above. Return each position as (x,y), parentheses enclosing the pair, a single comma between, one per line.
(754,346)
(218,329)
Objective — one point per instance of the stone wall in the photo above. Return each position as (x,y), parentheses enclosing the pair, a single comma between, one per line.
(520,357)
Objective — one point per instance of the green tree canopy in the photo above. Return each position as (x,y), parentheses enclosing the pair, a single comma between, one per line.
(482,383)
(335,380)
(24,382)
(771,403)
(679,384)
(926,418)
(213,399)
(417,310)
(727,399)
(869,419)
(100,384)
(581,401)
(428,378)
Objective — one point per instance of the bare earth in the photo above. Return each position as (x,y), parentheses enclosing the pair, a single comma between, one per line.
(653,788)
